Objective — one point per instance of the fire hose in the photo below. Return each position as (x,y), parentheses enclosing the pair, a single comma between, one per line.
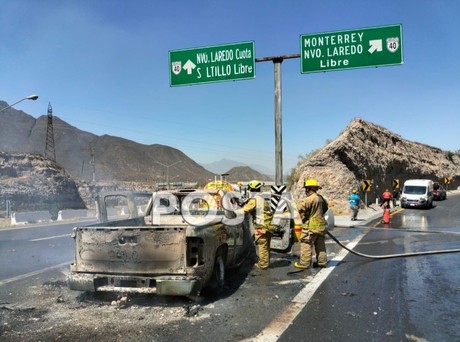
(389,256)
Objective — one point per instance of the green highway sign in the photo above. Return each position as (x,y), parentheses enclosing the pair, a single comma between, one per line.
(359,48)
(229,62)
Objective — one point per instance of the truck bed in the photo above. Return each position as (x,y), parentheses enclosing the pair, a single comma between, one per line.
(126,248)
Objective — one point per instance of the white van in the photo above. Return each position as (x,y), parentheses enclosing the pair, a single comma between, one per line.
(417,193)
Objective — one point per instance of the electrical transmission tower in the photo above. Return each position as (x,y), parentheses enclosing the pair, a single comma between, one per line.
(49,148)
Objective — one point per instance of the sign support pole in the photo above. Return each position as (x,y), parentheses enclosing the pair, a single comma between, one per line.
(278,115)
(278,123)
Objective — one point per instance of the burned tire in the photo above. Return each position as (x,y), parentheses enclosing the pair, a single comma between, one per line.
(217,281)
(219,273)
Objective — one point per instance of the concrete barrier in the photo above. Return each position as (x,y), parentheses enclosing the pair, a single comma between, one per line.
(30,217)
(124,211)
(141,209)
(67,214)
(73,214)
(117,212)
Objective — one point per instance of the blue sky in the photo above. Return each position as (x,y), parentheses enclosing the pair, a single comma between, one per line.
(103,65)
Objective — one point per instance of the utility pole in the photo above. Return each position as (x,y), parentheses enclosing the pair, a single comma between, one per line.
(93,163)
(167,171)
(49,147)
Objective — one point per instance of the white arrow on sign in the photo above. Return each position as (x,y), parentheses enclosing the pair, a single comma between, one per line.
(375,45)
(189,66)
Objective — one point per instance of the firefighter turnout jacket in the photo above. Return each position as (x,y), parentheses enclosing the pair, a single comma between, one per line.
(261,213)
(312,209)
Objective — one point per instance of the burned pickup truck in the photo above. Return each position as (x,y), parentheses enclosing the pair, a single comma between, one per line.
(183,242)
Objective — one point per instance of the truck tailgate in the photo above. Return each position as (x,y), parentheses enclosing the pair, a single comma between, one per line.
(125,250)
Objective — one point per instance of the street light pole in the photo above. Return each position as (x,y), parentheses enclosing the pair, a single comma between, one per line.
(30,97)
(167,171)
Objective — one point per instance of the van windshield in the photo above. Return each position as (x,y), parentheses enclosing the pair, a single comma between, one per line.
(415,190)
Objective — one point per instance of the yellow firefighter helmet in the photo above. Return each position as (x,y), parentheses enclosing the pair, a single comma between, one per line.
(254,185)
(311,182)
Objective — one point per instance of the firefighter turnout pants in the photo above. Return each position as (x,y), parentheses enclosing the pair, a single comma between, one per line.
(262,241)
(310,241)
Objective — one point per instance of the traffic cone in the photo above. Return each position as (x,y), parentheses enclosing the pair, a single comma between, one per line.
(386,215)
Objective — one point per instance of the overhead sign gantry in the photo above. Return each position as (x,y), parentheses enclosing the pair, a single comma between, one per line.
(327,51)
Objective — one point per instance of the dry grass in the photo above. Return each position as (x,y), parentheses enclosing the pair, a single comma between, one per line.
(5,222)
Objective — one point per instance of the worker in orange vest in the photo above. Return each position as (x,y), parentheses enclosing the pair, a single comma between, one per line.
(387,197)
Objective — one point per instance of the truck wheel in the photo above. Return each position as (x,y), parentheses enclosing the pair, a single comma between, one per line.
(216,283)
(219,273)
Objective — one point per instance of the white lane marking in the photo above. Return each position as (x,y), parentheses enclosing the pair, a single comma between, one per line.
(290,282)
(50,237)
(31,274)
(374,242)
(331,242)
(280,324)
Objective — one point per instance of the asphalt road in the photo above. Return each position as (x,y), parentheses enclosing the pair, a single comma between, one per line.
(353,299)
(402,299)
(29,249)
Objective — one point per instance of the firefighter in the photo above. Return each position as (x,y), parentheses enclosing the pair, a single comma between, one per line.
(312,209)
(262,220)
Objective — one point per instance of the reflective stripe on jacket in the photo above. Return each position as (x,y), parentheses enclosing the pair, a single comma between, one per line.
(312,209)
(260,210)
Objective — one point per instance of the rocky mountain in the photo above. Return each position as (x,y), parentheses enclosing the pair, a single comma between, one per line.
(86,156)
(94,163)
(224,165)
(362,152)
(365,151)
(32,182)
(245,174)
